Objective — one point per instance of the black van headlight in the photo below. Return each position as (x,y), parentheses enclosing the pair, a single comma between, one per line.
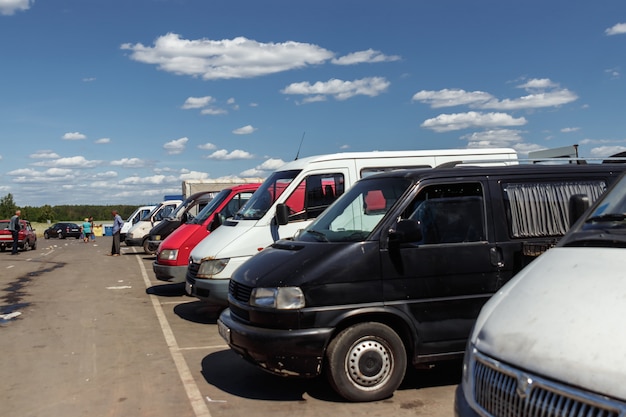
(282,298)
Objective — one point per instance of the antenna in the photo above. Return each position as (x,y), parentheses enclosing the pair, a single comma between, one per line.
(301,140)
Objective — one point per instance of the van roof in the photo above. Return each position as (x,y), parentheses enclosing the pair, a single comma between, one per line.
(301,162)
(475,171)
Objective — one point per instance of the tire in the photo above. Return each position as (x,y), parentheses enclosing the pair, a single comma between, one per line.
(61,235)
(46,235)
(146,248)
(26,246)
(34,246)
(366,362)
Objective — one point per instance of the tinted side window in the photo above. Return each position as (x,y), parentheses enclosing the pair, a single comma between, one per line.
(450,213)
(540,209)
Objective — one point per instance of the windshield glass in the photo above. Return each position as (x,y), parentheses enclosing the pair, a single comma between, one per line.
(611,212)
(208,210)
(264,197)
(358,212)
(148,216)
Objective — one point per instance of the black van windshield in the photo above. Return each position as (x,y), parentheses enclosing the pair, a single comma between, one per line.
(264,197)
(354,216)
(208,210)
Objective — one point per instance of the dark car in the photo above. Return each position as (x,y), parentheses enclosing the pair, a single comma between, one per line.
(27,238)
(62,230)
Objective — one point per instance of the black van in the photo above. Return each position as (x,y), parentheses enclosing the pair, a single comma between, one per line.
(396,271)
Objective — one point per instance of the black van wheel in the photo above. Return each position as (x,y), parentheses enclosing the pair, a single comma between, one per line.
(146,247)
(366,362)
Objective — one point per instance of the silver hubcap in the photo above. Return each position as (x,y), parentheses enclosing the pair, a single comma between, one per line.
(368,363)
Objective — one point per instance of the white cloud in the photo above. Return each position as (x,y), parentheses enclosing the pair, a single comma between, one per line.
(224,155)
(74,136)
(44,154)
(102,141)
(129,163)
(367,56)
(197,102)
(194,175)
(339,89)
(570,129)
(618,29)
(227,58)
(151,180)
(212,111)
(245,130)
(458,121)
(543,93)
(493,138)
(175,147)
(269,165)
(9,7)
(606,151)
(207,146)
(69,162)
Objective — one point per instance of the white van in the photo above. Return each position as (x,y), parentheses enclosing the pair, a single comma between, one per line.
(139,233)
(305,187)
(133,219)
(551,342)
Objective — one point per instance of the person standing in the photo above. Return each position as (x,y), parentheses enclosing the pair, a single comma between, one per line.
(86,230)
(15,226)
(93,231)
(117,227)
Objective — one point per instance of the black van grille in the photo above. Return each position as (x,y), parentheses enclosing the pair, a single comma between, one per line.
(192,270)
(502,391)
(239,291)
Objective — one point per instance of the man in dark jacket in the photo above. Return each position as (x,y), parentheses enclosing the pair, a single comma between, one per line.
(15,226)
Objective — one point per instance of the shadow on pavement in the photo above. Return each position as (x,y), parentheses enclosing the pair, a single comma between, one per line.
(229,372)
(167,290)
(197,312)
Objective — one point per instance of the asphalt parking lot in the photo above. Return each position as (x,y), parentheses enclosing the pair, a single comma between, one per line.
(82,333)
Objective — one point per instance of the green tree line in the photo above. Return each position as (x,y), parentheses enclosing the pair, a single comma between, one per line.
(63,212)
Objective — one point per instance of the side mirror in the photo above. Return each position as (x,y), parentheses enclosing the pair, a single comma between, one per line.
(406,231)
(282,214)
(215,223)
(578,204)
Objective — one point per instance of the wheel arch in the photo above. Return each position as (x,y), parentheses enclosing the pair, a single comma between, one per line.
(393,318)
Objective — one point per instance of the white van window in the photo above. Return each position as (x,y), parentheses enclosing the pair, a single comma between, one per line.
(541,209)
(450,213)
(313,195)
(358,212)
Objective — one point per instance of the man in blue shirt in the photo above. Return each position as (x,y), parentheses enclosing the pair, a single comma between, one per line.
(117,227)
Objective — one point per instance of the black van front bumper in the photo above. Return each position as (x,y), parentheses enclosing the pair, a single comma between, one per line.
(297,353)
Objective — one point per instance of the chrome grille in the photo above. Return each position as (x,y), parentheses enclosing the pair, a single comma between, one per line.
(502,391)
(239,291)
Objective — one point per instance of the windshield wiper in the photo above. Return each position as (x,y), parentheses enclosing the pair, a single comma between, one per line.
(609,217)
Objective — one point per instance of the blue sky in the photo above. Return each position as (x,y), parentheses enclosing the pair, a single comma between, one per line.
(118,101)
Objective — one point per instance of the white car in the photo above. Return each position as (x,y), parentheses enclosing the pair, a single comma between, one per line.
(552,341)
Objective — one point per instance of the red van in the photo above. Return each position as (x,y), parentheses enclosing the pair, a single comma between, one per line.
(172,255)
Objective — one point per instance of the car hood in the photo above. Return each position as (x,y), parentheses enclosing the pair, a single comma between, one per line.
(563,317)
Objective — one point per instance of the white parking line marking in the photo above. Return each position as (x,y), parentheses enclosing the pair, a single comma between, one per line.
(193,392)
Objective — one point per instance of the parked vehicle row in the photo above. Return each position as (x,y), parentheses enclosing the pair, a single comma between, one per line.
(27,238)
(357,266)
(138,233)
